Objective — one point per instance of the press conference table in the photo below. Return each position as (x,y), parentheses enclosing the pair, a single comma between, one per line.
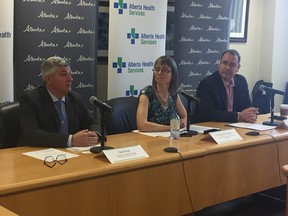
(6,212)
(91,185)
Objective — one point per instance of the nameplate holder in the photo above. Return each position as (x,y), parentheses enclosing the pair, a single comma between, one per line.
(225,136)
(283,125)
(118,155)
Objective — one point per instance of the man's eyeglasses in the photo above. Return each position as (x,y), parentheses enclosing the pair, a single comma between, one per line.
(226,63)
(163,70)
(51,162)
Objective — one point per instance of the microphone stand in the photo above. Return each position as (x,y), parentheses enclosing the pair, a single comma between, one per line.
(271,122)
(98,149)
(188,132)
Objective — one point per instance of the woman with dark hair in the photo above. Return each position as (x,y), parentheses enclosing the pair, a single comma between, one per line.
(160,102)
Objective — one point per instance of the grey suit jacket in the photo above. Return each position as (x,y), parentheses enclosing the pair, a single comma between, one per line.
(40,124)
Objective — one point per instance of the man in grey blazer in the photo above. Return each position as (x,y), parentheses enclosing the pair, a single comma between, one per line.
(224,95)
(40,121)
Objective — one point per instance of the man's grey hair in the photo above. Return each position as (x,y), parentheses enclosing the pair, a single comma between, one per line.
(49,65)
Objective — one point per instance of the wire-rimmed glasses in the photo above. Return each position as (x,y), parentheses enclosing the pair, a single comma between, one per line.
(51,162)
(230,65)
(163,70)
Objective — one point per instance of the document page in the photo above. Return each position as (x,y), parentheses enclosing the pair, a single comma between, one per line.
(252,126)
(201,129)
(193,127)
(154,134)
(42,154)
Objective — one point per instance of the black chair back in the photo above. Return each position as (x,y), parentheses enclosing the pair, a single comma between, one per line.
(123,118)
(260,100)
(192,106)
(9,125)
(285,100)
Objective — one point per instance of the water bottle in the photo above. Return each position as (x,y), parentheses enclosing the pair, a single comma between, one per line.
(175,127)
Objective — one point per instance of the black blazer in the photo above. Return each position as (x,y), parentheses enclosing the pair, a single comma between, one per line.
(213,103)
(40,123)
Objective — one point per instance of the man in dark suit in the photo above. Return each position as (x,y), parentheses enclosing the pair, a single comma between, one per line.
(42,124)
(224,95)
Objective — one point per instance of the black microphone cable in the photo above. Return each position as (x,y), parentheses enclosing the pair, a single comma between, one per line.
(277,155)
(279,168)
(175,150)
(186,184)
(278,161)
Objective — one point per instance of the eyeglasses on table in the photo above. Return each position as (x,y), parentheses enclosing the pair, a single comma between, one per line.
(50,161)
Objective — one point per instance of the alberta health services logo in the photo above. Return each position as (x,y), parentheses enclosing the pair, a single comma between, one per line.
(132,35)
(5,34)
(146,38)
(139,10)
(119,65)
(131,91)
(134,9)
(120,5)
(133,67)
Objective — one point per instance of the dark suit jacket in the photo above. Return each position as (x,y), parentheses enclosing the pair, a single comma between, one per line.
(40,123)
(213,103)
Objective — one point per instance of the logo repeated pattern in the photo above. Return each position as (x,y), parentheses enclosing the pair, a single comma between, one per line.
(200,39)
(45,28)
(131,62)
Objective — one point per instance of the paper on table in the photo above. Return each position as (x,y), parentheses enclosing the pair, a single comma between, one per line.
(193,127)
(42,154)
(251,126)
(201,129)
(82,149)
(154,134)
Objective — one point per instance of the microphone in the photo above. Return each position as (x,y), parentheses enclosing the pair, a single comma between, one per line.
(189,132)
(95,101)
(188,96)
(269,89)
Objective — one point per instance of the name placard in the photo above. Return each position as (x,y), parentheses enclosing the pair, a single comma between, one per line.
(225,136)
(283,125)
(125,154)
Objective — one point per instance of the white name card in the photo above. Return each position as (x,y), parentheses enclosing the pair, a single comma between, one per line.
(125,154)
(225,136)
(283,125)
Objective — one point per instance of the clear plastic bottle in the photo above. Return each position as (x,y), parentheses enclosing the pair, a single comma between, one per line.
(175,127)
